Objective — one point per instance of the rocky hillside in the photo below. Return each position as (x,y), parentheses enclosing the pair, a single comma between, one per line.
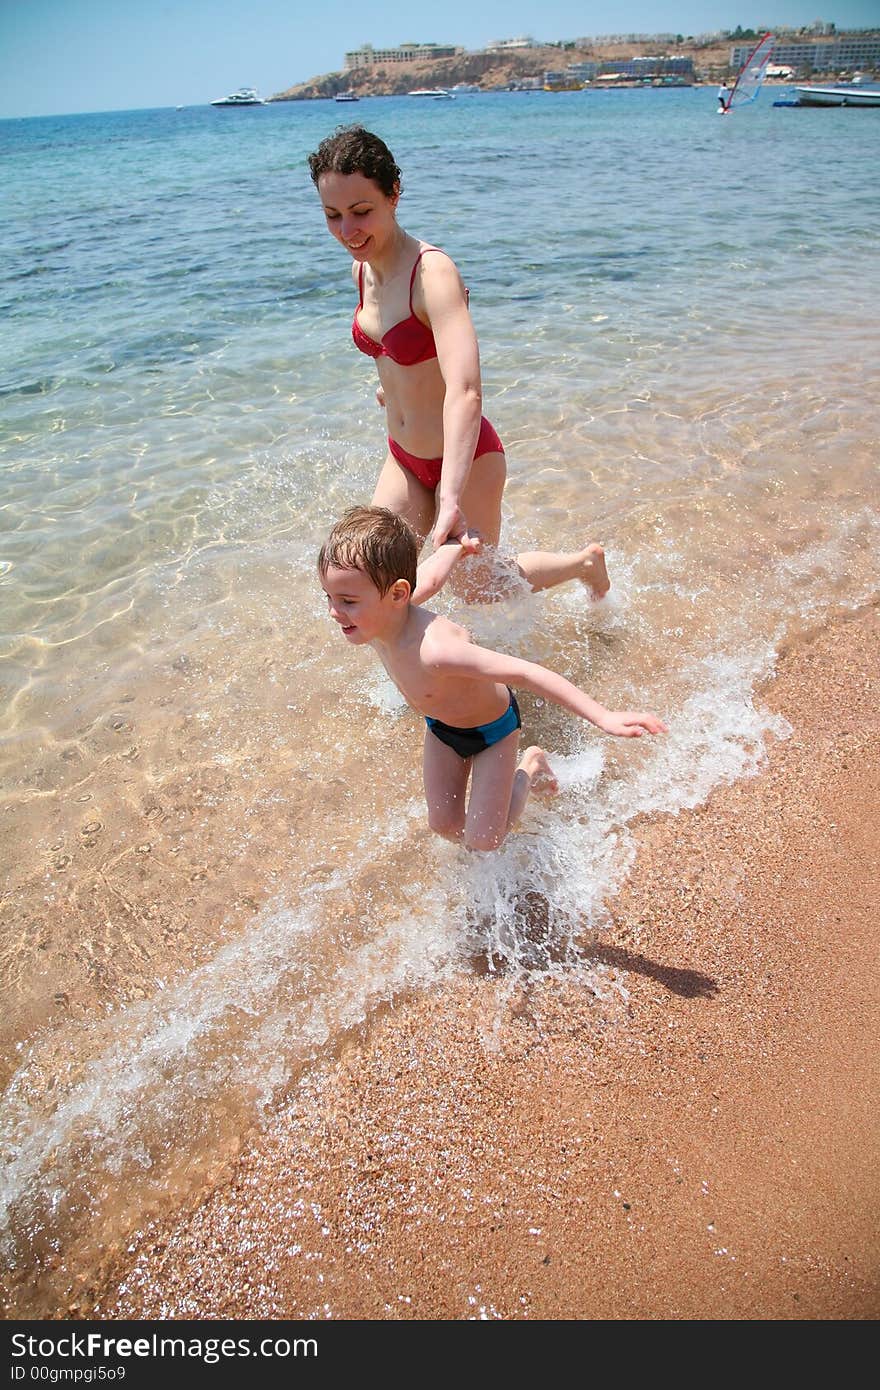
(488,70)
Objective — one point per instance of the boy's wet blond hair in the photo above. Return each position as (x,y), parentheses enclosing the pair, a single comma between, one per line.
(375,541)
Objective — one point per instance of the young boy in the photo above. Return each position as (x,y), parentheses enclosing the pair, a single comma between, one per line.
(368,571)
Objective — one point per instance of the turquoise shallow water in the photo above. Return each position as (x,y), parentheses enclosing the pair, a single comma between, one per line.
(175,310)
(211,813)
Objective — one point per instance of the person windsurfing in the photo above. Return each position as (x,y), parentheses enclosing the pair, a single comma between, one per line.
(749,78)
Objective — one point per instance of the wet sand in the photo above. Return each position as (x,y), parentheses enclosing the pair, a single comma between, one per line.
(695,1138)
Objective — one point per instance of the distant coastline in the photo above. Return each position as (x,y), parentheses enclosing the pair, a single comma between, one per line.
(489,71)
(503,70)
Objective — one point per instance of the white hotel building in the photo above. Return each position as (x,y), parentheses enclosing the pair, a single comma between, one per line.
(847,53)
(370,57)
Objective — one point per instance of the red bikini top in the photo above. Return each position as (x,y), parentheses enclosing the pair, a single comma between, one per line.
(408,342)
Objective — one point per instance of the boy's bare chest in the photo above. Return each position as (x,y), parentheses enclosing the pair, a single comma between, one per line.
(418,685)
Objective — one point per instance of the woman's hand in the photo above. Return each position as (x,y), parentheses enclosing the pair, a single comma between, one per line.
(380,396)
(450,525)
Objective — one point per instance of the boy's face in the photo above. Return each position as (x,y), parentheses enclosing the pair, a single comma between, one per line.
(354,602)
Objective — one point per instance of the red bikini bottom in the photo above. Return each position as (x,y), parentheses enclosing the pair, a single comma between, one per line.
(428,470)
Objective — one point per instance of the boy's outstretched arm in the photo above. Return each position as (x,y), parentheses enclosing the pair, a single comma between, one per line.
(455,656)
(433,573)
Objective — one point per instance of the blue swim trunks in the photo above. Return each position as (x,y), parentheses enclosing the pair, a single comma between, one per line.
(467,743)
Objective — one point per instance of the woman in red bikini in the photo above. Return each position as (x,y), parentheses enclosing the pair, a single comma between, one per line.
(445,469)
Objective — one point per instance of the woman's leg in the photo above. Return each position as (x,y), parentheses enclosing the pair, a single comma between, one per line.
(483,491)
(446,776)
(545,568)
(541,569)
(403,494)
(482,578)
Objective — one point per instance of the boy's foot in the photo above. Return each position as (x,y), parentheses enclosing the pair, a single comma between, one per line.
(593,571)
(539,772)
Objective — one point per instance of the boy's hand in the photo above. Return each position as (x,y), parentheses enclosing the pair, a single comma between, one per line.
(471,543)
(629,724)
(433,573)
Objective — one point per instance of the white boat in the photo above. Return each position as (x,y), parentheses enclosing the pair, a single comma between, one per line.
(437,93)
(346,96)
(245,96)
(838,96)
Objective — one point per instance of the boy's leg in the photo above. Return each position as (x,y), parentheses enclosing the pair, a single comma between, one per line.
(492,781)
(500,790)
(446,776)
(533,774)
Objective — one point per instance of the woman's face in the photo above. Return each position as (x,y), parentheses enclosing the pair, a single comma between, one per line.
(358,213)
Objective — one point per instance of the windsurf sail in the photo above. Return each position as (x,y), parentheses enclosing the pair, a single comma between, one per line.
(751,74)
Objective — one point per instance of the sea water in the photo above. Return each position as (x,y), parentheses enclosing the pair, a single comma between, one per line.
(216,861)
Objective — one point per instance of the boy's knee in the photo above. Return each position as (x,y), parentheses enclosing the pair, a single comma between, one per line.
(449,827)
(484,839)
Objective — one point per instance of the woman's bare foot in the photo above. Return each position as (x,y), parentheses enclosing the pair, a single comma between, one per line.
(539,772)
(593,571)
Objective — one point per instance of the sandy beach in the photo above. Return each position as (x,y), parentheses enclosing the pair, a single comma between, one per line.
(695,1138)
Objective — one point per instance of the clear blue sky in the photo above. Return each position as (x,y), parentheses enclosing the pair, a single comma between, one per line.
(59,56)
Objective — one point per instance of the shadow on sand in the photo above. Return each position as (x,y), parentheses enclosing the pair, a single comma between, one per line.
(536,942)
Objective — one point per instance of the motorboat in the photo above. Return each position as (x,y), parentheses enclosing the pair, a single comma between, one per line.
(245,96)
(346,96)
(841,95)
(437,93)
